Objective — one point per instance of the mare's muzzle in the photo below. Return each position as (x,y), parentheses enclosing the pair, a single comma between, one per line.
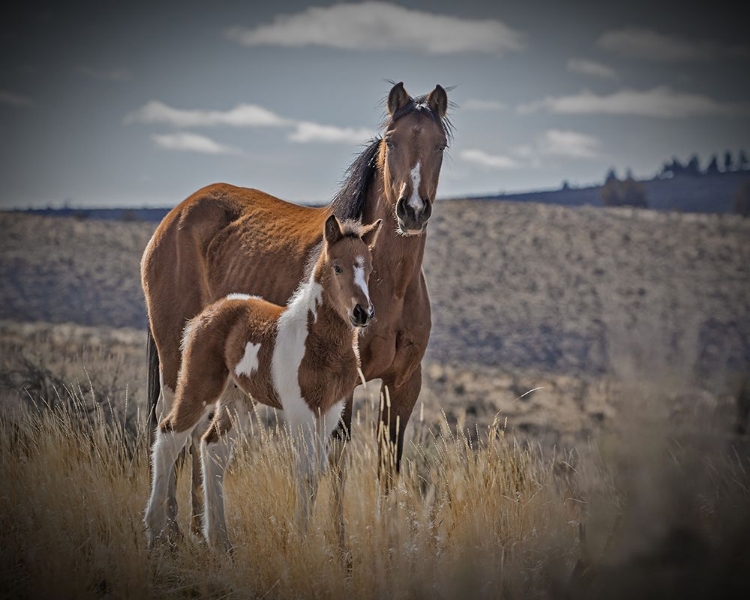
(411,219)
(361,317)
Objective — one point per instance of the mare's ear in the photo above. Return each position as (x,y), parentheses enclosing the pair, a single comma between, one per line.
(437,100)
(370,233)
(397,98)
(332,230)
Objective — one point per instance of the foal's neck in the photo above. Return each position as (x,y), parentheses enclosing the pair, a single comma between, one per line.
(317,314)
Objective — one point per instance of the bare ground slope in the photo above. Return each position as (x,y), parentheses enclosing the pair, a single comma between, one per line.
(570,300)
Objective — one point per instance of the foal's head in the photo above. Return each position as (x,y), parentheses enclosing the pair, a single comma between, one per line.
(344,269)
(412,153)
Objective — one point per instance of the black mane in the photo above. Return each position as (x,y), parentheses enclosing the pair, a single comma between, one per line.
(349,201)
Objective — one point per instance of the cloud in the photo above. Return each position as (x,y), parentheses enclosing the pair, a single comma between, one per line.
(381,26)
(570,144)
(492,161)
(103,75)
(659,102)
(647,44)
(12,99)
(306,132)
(191,142)
(590,67)
(483,105)
(242,115)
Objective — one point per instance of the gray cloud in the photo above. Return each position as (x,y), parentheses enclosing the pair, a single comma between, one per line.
(13,99)
(306,132)
(191,142)
(382,26)
(658,102)
(101,74)
(592,68)
(242,115)
(648,44)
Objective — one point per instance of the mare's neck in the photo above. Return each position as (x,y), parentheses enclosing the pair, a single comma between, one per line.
(396,259)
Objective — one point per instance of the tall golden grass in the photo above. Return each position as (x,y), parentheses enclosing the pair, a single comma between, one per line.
(639,511)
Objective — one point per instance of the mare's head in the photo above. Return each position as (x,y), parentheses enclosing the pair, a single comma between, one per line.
(416,133)
(345,266)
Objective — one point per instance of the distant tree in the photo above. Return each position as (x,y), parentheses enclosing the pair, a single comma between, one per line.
(624,193)
(676,167)
(565,185)
(629,175)
(742,162)
(611,176)
(728,161)
(666,171)
(713,166)
(742,200)
(693,167)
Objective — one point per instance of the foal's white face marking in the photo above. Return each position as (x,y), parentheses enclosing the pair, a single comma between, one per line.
(249,363)
(416,177)
(359,276)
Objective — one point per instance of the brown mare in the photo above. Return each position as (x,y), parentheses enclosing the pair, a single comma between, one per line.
(225,239)
(301,359)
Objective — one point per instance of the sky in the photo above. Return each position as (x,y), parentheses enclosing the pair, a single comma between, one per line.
(130,104)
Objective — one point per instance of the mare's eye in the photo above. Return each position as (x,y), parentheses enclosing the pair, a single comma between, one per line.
(441,149)
(338,270)
(389,144)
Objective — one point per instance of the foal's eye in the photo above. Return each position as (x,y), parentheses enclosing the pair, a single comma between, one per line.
(338,270)
(441,149)
(389,144)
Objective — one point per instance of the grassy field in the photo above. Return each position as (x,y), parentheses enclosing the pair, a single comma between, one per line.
(618,476)
(652,507)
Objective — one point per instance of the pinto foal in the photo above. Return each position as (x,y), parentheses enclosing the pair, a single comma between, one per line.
(301,359)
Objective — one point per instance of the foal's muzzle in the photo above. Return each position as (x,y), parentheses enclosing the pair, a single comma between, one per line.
(360,317)
(412,220)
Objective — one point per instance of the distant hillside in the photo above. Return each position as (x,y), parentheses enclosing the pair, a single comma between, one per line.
(519,285)
(685,193)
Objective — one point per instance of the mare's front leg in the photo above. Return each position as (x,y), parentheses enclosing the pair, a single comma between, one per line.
(394,417)
(216,452)
(340,439)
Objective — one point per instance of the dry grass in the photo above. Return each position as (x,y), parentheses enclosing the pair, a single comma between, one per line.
(639,512)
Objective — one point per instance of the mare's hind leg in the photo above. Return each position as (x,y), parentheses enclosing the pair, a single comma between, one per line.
(216,451)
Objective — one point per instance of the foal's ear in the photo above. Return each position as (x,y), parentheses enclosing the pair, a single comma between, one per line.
(437,100)
(370,233)
(397,98)
(332,230)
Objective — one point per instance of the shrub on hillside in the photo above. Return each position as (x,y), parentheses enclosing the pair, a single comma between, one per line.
(623,193)
(742,200)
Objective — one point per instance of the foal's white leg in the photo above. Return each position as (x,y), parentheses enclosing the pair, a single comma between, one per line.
(215,457)
(311,445)
(159,513)
(163,407)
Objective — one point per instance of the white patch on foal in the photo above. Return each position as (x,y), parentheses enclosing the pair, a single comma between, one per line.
(359,276)
(415,201)
(249,363)
(237,296)
(289,351)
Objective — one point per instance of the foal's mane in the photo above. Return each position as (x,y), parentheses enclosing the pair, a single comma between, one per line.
(349,201)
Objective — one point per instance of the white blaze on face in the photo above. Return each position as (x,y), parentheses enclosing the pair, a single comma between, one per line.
(414,200)
(359,276)
(249,363)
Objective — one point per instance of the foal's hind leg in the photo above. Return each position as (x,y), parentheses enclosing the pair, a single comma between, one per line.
(216,451)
